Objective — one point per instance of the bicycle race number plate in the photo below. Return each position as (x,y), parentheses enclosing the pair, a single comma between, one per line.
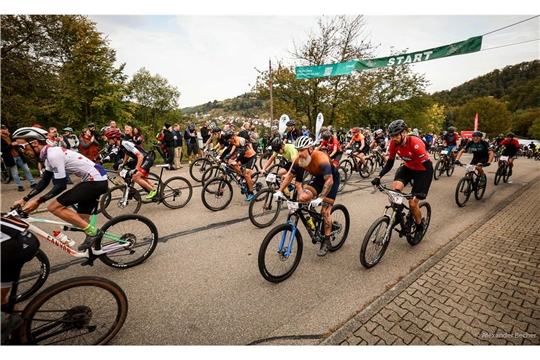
(293,206)
(471,168)
(271,178)
(123,173)
(444,152)
(396,198)
(504,158)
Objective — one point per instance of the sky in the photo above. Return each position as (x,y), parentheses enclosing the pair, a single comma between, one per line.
(213,50)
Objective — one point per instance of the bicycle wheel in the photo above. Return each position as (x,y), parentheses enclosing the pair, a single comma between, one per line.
(366,170)
(129,240)
(263,209)
(120,200)
(6,175)
(425,209)
(498,174)
(176,192)
(340,226)
(348,166)
(152,154)
(342,177)
(273,169)
(450,169)
(33,275)
(210,173)
(78,311)
(463,191)
(264,158)
(480,189)
(217,194)
(436,154)
(439,169)
(505,174)
(280,253)
(198,167)
(375,242)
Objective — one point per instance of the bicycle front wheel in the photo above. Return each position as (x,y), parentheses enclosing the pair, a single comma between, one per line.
(176,192)
(342,177)
(217,194)
(348,166)
(210,173)
(498,174)
(33,275)
(280,253)
(463,191)
(197,168)
(6,175)
(129,240)
(366,170)
(439,169)
(375,242)
(263,209)
(120,200)
(340,226)
(78,311)
(480,189)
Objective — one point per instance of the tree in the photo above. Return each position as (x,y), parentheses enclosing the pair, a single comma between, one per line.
(493,117)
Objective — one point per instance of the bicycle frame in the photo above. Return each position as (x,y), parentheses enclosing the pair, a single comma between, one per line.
(297,210)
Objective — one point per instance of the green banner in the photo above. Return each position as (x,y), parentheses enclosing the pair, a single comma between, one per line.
(463,47)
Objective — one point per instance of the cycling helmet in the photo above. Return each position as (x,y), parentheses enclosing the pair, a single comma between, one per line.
(477,134)
(378,131)
(396,127)
(327,135)
(355,130)
(303,142)
(451,130)
(216,129)
(68,129)
(112,133)
(276,144)
(291,123)
(501,135)
(510,135)
(30,133)
(273,128)
(227,135)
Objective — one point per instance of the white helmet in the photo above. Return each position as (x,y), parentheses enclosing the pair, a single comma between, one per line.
(30,133)
(303,142)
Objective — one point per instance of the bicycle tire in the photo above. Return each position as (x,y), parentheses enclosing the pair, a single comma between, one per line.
(177,196)
(210,173)
(112,206)
(196,171)
(368,166)
(273,264)
(85,319)
(450,169)
(480,190)
(498,174)
(342,178)
(152,154)
(6,175)
(140,235)
(34,274)
(348,166)
(217,190)
(263,209)
(439,169)
(506,172)
(274,169)
(426,219)
(341,222)
(463,191)
(264,158)
(378,243)
(436,154)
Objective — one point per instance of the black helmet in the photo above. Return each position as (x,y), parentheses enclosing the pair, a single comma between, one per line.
(276,144)
(478,134)
(227,135)
(510,135)
(396,127)
(451,130)
(291,123)
(327,135)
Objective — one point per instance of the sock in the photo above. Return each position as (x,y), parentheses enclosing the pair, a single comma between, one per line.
(90,230)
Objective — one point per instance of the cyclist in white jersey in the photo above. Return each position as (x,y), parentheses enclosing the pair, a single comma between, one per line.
(57,162)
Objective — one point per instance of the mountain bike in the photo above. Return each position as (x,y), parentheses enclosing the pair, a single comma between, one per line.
(267,154)
(84,310)
(174,193)
(353,164)
(155,149)
(400,219)
(436,151)
(468,184)
(199,166)
(217,192)
(445,164)
(502,170)
(216,170)
(128,241)
(376,155)
(281,250)
(6,173)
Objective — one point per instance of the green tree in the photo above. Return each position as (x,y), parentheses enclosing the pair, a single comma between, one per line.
(493,117)
(534,130)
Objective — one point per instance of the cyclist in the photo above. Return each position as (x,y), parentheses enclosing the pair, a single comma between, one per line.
(380,141)
(511,147)
(417,167)
(292,132)
(242,153)
(141,161)
(323,185)
(360,148)
(331,144)
(289,153)
(57,162)
(450,142)
(482,154)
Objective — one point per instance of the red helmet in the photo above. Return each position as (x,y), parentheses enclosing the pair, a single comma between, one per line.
(112,133)
(356,130)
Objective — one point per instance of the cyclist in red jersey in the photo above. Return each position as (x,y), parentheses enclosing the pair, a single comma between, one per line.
(332,146)
(417,167)
(511,147)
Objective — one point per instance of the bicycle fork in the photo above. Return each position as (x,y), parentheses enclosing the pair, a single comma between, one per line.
(285,250)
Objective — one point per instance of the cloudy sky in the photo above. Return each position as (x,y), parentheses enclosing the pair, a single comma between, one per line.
(210,50)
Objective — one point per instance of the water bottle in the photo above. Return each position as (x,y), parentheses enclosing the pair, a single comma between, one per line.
(63,238)
(310,223)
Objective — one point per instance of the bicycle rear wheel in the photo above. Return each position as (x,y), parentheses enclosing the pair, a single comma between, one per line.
(34,274)
(263,209)
(6,174)
(439,169)
(198,167)
(463,191)
(113,204)
(78,311)
(131,239)
(366,170)
(340,226)
(210,173)
(375,242)
(425,209)
(176,192)
(280,253)
(217,194)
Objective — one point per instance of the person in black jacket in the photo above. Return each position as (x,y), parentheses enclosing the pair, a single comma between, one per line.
(168,141)
(14,159)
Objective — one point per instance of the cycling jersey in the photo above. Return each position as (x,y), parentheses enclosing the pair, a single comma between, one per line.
(381,142)
(132,150)
(414,153)
(289,152)
(319,167)
(331,145)
(511,147)
(61,161)
(479,150)
(451,139)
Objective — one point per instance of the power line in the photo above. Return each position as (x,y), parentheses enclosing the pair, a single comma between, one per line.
(519,22)
(523,42)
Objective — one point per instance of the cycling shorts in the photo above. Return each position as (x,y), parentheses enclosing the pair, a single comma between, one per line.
(316,184)
(451,148)
(299,173)
(421,179)
(85,195)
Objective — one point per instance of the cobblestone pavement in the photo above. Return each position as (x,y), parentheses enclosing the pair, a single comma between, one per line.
(483,288)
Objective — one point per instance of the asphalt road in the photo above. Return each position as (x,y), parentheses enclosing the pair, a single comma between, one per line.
(202,285)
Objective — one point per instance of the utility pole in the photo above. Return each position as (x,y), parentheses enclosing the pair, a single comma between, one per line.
(271,81)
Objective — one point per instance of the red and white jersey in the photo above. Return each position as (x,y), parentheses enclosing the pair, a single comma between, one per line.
(61,161)
(414,152)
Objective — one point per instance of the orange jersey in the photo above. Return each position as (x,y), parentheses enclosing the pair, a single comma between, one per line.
(320,164)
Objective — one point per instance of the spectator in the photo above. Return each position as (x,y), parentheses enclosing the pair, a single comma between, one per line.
(168,141)
(205,133)
(190,136)
(178,143)
(254,139)
(88,144)
(138,137)
(93,132)
(244,131)
(55,138)
(71,140)
(200,144)
(14,159)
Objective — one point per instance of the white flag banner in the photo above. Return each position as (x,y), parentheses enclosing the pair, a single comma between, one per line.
(318,124)
(283,123)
